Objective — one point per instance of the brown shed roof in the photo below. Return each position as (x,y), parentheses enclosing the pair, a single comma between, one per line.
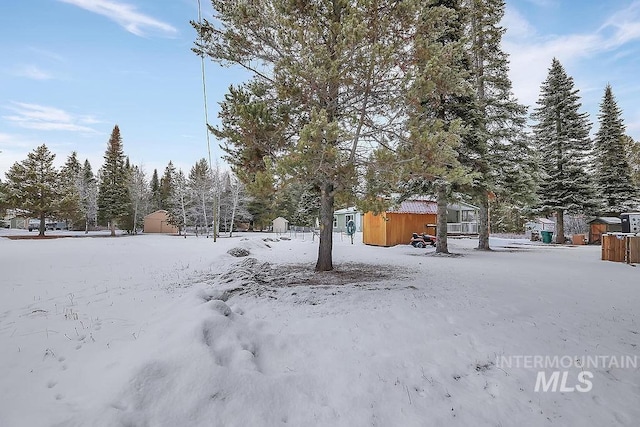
(416,207)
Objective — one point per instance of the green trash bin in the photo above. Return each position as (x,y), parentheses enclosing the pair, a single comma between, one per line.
(546,236)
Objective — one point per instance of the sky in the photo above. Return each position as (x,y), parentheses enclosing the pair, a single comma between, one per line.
(72,69)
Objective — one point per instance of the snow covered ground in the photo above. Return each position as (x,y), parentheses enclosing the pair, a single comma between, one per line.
(165,331)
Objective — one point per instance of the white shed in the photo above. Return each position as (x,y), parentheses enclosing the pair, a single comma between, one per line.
(280,225)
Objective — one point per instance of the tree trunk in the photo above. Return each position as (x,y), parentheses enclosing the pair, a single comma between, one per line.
(441,237)
(112,226)
(204,214)
(560,226)
(325,261)
(42,225)
(483,222)
(135,220)
(184,216)
(236,196)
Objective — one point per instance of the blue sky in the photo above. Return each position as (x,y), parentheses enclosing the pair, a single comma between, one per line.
(72,69)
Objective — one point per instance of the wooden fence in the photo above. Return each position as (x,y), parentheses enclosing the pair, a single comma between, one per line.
(620,247)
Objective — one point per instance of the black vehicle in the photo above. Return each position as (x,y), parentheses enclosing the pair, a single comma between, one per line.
(422,240)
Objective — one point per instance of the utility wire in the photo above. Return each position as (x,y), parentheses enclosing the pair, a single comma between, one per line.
(206,121)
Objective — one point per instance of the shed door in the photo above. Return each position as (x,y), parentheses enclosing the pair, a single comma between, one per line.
(597,230)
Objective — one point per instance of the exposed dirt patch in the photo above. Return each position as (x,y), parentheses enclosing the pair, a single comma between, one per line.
(33,237)
(250,275)
(62,236)
(342,274)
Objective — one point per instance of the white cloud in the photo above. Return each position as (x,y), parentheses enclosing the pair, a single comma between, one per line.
(543,3)
(624,25)
(32,72)
(516,24)
(126,15)
(531,54)
(33,116)
(47,54)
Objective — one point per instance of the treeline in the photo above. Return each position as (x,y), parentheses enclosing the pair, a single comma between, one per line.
(368,102)
(121,194)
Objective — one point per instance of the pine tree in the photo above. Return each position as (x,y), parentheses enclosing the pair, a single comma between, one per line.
(439,90)
(495,144)
(113,193)
(32,184)
(333,64)
(562,137)
(69,204)
(632,150)
(612,170)
(515,170)
(4,198)
(167,187)
(88,189)
(154,185)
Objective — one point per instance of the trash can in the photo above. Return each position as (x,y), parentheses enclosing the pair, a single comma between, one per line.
(546,236)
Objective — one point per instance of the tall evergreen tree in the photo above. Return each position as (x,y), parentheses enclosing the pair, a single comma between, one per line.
(494,144)
(167,187)
(154,186)
(332,63)
(561,132)
(32,184)
(88,188)
(438,100)
(4,198)
(616,189)
(255,132)
(69,203)
(113,193)
(632,150)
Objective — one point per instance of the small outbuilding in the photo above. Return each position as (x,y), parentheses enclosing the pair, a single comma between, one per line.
(158,222)
(395,226)
(601,225)
(20,222)
(280,225)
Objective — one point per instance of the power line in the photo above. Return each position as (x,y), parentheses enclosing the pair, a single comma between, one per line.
(206,118)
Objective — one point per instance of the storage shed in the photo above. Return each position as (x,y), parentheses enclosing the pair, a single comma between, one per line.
(395,226)
(158,222)
(601,225)
(280,225)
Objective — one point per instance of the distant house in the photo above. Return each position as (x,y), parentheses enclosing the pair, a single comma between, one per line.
(601,225)
(342,217)
(462,218)
(158,222)
(280,225)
